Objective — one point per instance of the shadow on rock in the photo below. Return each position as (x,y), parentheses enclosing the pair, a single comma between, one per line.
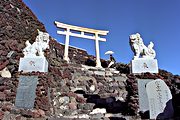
(116,118)
(110,103)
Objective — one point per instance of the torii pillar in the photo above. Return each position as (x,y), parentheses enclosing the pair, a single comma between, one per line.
(98,62)
(66,46)
(82,30)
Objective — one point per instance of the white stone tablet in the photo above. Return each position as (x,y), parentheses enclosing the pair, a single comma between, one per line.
(143,65)
(33,64)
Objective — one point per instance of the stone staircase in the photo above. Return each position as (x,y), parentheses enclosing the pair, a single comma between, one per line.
(86,92)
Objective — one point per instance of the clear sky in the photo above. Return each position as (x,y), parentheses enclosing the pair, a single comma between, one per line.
(155,20)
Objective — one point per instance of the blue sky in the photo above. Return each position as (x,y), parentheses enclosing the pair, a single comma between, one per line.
(155,20)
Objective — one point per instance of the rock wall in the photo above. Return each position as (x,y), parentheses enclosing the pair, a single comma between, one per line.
(17,25)
(80,90)
(72,90)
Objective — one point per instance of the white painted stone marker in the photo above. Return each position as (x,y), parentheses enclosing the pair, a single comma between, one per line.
(143,65)
(160,100)
(33,64)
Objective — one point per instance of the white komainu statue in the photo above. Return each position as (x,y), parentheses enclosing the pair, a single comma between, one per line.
(37,48)
(139,49)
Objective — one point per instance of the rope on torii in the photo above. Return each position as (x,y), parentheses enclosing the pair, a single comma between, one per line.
(68,32)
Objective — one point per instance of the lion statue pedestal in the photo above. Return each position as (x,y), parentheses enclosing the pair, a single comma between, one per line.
(38,64)
(34,59)
(143,65)
(143,60)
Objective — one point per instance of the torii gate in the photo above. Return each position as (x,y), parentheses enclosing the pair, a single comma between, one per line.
(82,30)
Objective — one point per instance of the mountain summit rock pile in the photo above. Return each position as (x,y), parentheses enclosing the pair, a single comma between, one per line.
(67,91)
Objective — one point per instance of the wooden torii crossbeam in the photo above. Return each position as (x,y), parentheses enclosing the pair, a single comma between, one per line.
(81,34)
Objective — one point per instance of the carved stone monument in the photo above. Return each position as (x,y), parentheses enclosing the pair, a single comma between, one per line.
(143,60)
(25,96)
(143,99)
(160,100)
(34,59)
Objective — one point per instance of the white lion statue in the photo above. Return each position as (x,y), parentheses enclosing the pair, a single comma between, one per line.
(36,49)
(139,49)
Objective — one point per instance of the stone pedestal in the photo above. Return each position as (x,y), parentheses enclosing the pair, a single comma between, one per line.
(37,64)
(143,65)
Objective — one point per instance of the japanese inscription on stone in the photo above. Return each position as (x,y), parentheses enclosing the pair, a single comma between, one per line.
(33,64)
(143,65)
(26,92)
(159,97)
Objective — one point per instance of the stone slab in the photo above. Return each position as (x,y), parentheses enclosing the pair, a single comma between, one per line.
(33,64)
(101,73)
(108,73)
(92,68)
(143,98)
(49,95)
(143,65)
(10,54)
(160,100)
(120,78)
(26,92)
